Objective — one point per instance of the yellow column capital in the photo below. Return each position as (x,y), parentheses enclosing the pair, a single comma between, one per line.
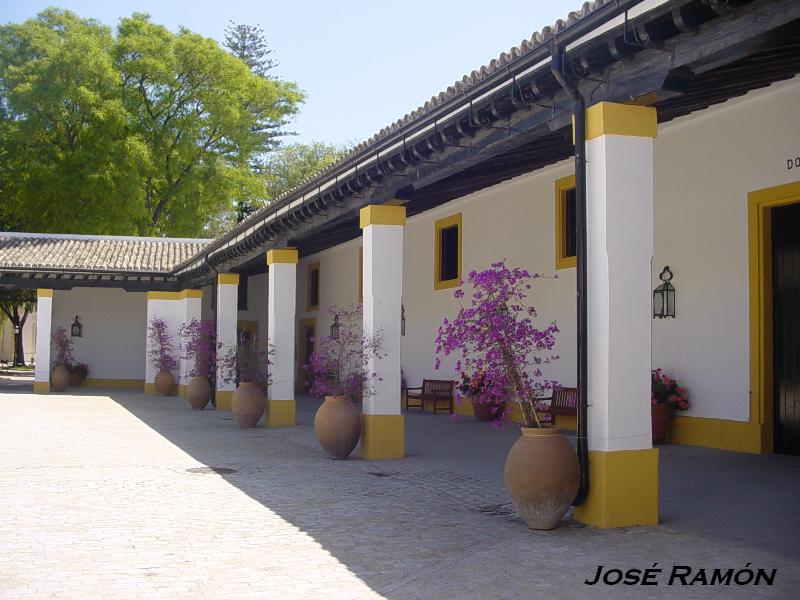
(606,118)
(282,256)
(44,293)
(382,214)
(228,278)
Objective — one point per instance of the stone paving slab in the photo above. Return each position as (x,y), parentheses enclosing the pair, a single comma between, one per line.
(97,503)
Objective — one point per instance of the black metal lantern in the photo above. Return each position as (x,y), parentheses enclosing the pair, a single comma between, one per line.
(335,328)
(77,328)
(402,320)
(664,296)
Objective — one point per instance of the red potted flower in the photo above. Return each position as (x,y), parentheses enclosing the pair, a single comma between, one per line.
(667,397)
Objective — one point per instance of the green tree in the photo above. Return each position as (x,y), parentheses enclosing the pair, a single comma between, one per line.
(138,131)
(290,165)
(249,44)
(17,305)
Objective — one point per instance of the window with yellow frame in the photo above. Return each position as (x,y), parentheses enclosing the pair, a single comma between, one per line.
(312,290)
(447,252)
(565,228)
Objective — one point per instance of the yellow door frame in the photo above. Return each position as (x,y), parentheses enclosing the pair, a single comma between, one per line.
(759,216)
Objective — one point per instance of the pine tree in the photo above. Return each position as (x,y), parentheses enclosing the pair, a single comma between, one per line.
(249,44)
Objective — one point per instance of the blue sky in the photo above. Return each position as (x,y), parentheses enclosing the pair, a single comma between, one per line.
(362,64)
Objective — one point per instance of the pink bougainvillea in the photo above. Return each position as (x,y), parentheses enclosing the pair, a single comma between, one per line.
(63,345)
(245,362)
(494,338)
(160,347)
(339,365)
(197,345)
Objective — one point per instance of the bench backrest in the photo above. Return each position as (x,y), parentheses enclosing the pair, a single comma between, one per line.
(564,397)
(437,387)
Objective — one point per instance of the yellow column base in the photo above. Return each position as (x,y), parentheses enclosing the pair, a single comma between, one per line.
(623,489)
(150,389)
(182,390)
(224,399)
(280,413)
(383,437)
(41,387)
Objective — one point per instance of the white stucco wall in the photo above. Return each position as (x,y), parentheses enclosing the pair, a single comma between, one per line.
(705,164)
(114,329)
(704,168)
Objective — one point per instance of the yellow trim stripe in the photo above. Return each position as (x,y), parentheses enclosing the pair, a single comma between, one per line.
(182,295)
(382,437)
(382,214)
(607,118)
(282,256)
(737,436)
(44,293)
(228,279)
(624,489)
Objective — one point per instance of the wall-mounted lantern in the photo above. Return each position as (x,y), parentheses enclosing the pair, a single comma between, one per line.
(335,328)
(664,296)
(77,328)
(402,320)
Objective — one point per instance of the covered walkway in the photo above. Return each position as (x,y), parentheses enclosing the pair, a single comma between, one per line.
(109,496)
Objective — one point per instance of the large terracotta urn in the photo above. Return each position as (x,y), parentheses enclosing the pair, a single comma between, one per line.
(198,392)
(542,476)
(164,383)
(337,426)
(661,417)
(248,404)
(59,379)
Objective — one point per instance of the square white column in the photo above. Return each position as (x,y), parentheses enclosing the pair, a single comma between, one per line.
(282,300)
(169,307)
(44,319)
(227,314)
(190,308)
(382,435)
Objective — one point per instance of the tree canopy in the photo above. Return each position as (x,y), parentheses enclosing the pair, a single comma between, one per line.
(135,131)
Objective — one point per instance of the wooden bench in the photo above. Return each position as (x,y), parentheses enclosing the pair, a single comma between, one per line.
(436,392)
(564,401)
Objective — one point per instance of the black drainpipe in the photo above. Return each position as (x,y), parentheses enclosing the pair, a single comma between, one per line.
(557,69)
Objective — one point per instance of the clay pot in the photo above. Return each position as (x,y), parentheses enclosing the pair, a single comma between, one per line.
(337,426)
(247,404)
(542,476)
(75,379)
(164,383)
(661,417)
(59,379)
(198,392)
(486,411)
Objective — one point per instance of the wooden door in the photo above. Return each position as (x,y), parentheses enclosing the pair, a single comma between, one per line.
(307,333)
(786,327)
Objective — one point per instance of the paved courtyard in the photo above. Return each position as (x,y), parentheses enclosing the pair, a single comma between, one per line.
(109,497)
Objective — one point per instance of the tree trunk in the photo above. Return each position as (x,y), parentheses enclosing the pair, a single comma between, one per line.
(19,351)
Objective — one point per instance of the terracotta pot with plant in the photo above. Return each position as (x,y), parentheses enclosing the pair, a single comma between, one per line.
(247,365)
(62,343)
(667,397)
(339,373)
(198,348)
(494,334)
(485,406)
(77,373)
(161,354)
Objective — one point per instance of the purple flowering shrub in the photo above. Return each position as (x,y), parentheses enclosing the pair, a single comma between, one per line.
(495,338)
(339,365)
(161,349)
(197,345)
(63,345)
(245,362)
